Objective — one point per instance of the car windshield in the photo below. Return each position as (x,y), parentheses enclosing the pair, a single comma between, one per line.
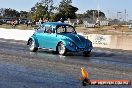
(65,29)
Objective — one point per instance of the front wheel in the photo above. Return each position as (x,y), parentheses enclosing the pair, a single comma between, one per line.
(32,46)
(86,53)
(61,49)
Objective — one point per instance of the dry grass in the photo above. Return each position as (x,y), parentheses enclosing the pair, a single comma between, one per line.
(21,26)
(101,30)
(105,30)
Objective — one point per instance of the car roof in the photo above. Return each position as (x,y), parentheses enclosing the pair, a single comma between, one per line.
(55,24)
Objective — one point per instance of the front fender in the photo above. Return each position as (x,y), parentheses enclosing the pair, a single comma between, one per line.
(65,42)
(34,39)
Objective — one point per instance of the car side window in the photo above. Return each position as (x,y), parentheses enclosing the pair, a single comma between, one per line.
(48,29)
(60,29)
(70,29)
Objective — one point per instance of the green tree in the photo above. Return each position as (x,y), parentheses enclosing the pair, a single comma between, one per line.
(94,13)
(56,16)
(65,2)
(67,10)
(23,14)
(48,4)
(38,11)
(11,13)
(42,9)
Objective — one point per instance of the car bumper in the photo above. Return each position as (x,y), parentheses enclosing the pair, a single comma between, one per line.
(80,49)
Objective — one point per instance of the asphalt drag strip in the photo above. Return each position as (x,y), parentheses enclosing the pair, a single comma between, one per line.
(20,68)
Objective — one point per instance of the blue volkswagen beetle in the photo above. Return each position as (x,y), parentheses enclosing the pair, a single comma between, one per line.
(59,37)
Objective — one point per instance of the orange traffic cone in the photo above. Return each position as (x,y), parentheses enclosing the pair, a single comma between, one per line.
(84,77)
(84,73)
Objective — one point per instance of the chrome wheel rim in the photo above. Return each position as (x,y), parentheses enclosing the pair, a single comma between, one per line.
(61,48)
(31,45)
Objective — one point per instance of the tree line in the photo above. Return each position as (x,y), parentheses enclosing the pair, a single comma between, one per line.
(47,9)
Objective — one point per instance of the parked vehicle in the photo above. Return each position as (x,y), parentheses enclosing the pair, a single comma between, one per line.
(130,26)
(1,21)
(59,37)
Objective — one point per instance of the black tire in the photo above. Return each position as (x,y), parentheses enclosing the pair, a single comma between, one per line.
(32,46)
(61,49)
(86,53)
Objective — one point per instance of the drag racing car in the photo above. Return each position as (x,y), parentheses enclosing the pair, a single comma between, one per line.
(59,37)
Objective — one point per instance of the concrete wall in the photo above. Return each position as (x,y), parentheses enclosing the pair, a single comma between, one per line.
(104,41)
(15,34)
(111,41)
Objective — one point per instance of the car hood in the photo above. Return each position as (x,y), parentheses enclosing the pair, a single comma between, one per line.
(79,40)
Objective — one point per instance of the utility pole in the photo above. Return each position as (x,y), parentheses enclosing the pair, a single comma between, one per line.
(108,16)
(118,15)
(98,8)
(125,15)
(93,15)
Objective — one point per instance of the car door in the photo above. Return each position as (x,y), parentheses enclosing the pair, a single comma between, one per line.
(50,38)
(41,37)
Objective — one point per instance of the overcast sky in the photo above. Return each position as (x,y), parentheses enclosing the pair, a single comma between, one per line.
(110,7)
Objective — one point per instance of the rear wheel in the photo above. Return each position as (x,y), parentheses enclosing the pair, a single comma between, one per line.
(61,49)
(32,46)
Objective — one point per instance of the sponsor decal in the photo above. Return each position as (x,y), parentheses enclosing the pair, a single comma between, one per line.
(86,81)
